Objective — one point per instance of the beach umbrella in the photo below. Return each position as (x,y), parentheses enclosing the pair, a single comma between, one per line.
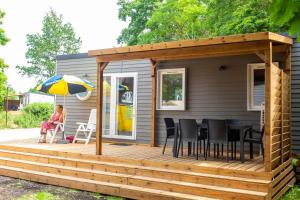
(65,84)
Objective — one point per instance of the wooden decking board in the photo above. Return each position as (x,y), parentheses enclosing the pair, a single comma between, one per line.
(88,164)
(96,186)
(124,178)
(145,167)
(201,166)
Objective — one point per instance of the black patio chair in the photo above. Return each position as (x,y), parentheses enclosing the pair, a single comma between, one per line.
(188,133)
(250,138)
(170,131)
(217,134)
(233,135)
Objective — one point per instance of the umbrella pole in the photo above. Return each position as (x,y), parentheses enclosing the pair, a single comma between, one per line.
(63,141)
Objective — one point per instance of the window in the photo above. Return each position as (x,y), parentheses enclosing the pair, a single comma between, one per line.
(256,86)
(171,89)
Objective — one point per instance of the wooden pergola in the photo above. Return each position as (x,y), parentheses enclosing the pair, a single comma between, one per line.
(263,44)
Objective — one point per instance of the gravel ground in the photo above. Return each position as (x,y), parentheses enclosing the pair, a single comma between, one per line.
(16,189)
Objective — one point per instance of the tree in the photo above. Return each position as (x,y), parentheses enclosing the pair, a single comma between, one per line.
(175,20)
(3,66)
(238,16)
(137,12)
(190,19)
(286,13)
(57,38)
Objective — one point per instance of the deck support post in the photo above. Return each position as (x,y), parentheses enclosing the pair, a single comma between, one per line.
(100,68)
(268,108)
(154,63)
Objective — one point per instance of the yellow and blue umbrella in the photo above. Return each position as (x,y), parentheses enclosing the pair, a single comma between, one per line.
(64,85)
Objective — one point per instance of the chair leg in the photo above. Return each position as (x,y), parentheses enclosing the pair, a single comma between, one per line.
(222,150)
(206,152)
(251,150)
(89,136)
(218,151)
(262,150)
(227,152)
(194,146)
(214,150)
(178,149)
(235,150)
(231,150)
(163,152)
(200,146)
(197,155)
(181,148)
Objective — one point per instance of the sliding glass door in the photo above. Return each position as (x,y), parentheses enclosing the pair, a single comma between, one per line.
(119,105)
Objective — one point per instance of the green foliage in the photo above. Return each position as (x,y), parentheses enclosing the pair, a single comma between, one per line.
(238,16)
(39,196)
(56,38)
(292,194)
(286,13)
(175,20)
(157,21)
(3,66)
(137,12)
(33,114)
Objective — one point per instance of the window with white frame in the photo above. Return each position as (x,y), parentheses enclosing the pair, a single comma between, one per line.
(171,89)
(256,86)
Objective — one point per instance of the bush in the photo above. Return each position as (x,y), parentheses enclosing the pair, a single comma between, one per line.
(33,114)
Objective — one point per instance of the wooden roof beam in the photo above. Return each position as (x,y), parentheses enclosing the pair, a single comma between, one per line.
(190,52)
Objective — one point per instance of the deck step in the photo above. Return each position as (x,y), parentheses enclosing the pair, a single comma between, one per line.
(97,186)
(142,162)
(176,175)
(147,182)
(137,179)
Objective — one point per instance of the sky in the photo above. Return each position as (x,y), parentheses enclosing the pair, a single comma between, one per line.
(95,21)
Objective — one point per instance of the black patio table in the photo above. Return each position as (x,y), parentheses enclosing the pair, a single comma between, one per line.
(242,129)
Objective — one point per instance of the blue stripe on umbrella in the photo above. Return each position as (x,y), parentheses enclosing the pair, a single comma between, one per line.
(74,88)
(48,83)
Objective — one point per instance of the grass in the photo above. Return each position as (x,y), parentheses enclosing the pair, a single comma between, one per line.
(12,115)
(292,194)
(39,196)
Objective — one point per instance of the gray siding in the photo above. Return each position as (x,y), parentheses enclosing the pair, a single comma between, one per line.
(212,93)
(78,111)
(296,98)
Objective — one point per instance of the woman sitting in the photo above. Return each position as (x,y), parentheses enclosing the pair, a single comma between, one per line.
(55,119)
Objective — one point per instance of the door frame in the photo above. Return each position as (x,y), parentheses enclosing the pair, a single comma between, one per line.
(113,123)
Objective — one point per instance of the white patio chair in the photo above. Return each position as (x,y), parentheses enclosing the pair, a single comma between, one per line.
(86,128)
(60,128)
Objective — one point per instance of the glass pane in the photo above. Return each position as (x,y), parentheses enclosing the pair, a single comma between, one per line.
(259,87)
(106,105)
(125,88)
(172,89)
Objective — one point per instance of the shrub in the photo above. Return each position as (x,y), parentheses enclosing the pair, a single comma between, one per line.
(39,110)
(33,114)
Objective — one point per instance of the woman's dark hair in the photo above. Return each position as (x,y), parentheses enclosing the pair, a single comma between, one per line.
(60,106)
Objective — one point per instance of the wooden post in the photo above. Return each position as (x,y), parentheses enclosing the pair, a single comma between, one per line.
(100,68)
(268,109)
(153,111)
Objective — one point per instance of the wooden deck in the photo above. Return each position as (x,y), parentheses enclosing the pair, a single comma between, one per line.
(142,172)
(144,152)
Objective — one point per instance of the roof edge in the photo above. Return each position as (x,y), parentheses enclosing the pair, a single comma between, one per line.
(72,56)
